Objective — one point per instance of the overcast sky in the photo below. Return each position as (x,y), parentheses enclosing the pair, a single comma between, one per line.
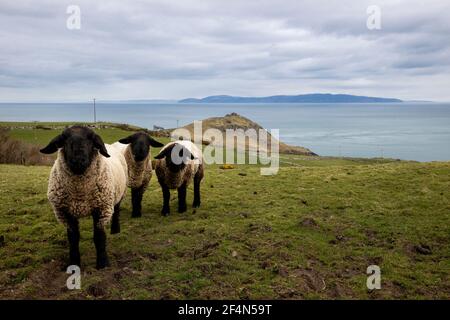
(177,49)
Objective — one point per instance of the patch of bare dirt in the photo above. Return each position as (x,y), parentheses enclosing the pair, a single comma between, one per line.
(339,291)
(98,290)
(313,280)
(422,249)
(205,250)
(259,227)
(309,223)
(338,239)
(418,252)
(47,282)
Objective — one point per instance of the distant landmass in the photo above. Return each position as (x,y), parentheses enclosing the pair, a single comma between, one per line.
(301,98)
(140,101)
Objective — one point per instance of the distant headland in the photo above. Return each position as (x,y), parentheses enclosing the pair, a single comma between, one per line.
(301,98)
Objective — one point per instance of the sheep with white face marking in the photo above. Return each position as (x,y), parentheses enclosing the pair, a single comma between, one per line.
(87,178)
(177,164)
(138,156)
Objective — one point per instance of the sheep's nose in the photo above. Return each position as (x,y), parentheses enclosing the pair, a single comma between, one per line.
(80,162)
(139,157)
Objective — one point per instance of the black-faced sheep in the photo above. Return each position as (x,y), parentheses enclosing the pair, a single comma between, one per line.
(87,178)
(177,164)
(138,156)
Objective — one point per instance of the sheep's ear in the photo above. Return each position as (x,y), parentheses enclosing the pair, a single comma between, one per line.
(98,143)
(53,146)
(128,139)
(163,153)
(154,143)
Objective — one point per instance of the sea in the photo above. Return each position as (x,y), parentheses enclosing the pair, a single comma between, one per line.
(407,131)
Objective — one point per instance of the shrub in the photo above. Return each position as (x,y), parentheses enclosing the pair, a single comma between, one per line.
(18,152)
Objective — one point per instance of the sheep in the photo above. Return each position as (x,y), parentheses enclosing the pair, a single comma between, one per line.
(138,156)
(87,178)
(177,164)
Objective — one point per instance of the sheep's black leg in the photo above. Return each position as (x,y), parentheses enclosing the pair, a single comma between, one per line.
(196,202)
(182,199)
(197,179)
(115,223)
(166,195)
(136,200)
(73,235)
(100,241)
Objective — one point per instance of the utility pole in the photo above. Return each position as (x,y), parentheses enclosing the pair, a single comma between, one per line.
(95,114)
(177,123)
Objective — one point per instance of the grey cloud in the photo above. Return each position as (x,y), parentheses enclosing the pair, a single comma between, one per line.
(197,48)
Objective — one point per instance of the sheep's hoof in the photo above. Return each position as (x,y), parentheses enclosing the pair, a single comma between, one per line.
(73,263)
(165,212)
(74,260)
(182,209)
(103,263)
(115,229)
(136,215)
(196,204)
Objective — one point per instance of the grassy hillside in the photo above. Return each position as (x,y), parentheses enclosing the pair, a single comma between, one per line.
(41,133)
(308,232)
(236,121)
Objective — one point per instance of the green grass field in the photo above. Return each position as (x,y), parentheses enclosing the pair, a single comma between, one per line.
(308,232)
(27,131)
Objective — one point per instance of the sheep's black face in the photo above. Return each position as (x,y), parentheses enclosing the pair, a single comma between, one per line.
(78,153)
(177,156)
(140,145)
(80,145)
